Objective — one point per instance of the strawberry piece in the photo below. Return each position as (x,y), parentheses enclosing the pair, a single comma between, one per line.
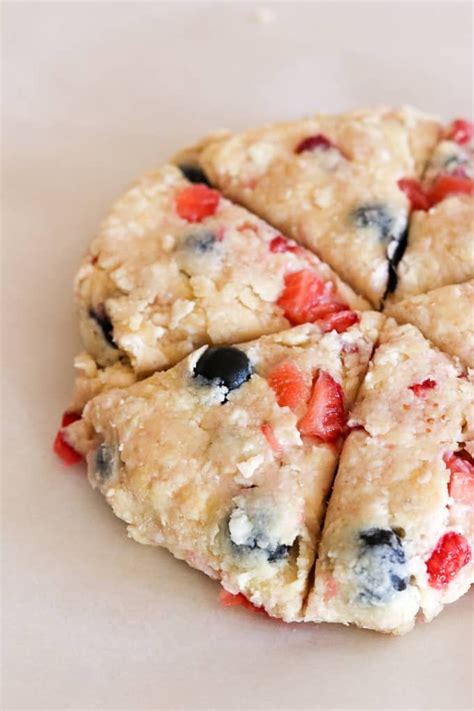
(461,483)
(452,553)
(339,321)
(415,193)
(306,298)
(69,417)
(196,202)
(446,185)
(64,450)
(289,385)
(267,431)
(312,143)
(228,599)
(461,131)
(325,417)
(420,388)
(61,447)
(280,244)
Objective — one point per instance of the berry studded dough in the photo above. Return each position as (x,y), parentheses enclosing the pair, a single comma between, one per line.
(445,316)
(176,266)
(440,247)
(330,183)
(232,367)
(227,458)
(399,531)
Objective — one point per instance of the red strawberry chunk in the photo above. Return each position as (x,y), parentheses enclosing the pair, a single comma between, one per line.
(196,202)
(69,417)
(228,599)
(420,388)
(325,417)
(452,553)
(64,450)
(446,185)
(415,193)
(318,141)
(280,244)
(339,322)
(289,385)
(461,131)
(267,431)
(306,298)
(61,447)
(461,483)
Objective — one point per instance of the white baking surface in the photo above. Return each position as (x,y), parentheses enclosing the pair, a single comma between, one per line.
(94,94)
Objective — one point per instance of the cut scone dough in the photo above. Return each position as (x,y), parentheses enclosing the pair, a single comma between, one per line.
(329,182)
(227,458)
(398,533)
(91,380)
(176,266)
(440,247)
(445,316)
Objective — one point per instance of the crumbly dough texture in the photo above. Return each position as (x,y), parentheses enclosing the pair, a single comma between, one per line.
(186,464)
(340,199)
(224,478)
(445,316)
(392,477)
(163,286)
(440,248)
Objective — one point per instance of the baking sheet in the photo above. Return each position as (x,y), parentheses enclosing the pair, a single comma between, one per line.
(94,94)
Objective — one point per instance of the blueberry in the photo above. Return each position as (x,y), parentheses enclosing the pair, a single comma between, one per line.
(394,256)
(381,565)
(194,173)
(378,217)
(391,227)
(202,242)
(278,553)
(106,462)
(249,533)
(224,365)
(105,325)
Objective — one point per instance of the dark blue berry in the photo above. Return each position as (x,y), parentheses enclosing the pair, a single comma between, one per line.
(105,325)
(259,541)
(194,173)
(201,241)
(381,565)
(278,553)
(105,462)
(393,261)
(224,365)
(378,217)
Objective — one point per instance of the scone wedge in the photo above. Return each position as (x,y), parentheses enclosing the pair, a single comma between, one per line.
(227,458)
(398,535)
(176,266)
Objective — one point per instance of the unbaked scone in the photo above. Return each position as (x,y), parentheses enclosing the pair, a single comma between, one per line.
(330,183)
(176,266)
(445,316)
(227,458)
(399,529)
